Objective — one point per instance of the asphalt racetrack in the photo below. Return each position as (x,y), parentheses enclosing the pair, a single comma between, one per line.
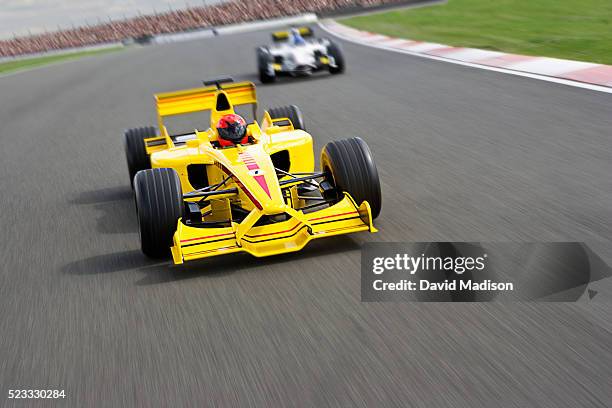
(463,154)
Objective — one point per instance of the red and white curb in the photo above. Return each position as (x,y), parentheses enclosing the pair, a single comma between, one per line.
(588,75)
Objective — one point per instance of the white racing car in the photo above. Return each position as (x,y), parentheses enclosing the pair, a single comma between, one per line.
(298,53)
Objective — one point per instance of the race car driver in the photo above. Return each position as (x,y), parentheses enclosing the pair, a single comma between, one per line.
(232,130)
(296,38)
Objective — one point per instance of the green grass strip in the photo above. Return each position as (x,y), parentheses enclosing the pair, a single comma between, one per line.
(26,63)
(571,29)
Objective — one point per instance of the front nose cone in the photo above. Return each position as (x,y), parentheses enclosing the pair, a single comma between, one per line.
(304,59)
(274,208)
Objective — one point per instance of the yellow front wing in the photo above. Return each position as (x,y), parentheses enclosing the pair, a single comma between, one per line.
(288,236)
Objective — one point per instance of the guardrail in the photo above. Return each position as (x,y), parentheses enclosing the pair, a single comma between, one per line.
(307,18)
(184,36)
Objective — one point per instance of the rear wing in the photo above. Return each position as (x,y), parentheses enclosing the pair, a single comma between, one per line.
(203,99)
(284,35)
(221,97)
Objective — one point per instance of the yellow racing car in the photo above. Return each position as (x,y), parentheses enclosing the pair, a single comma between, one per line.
(241,186)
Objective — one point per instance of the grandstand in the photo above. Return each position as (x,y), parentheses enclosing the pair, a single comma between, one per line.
(230,12)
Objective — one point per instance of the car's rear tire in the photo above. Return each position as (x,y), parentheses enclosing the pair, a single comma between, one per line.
(292,112)
(135,150)
(159,204)
(350,168)
(264,59)
(335,51)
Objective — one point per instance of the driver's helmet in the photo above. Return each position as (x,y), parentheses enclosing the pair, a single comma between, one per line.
(232,130)
(296,37)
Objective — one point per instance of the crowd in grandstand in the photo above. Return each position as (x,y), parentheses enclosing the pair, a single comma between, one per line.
(229,12)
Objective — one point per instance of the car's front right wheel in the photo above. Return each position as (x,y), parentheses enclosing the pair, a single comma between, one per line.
(264,59)
(159,204)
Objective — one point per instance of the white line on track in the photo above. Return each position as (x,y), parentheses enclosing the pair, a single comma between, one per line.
(567,82)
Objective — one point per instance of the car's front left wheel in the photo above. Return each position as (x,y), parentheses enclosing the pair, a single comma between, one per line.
(159,204)
(291,112)
(334,51)
(350,168)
